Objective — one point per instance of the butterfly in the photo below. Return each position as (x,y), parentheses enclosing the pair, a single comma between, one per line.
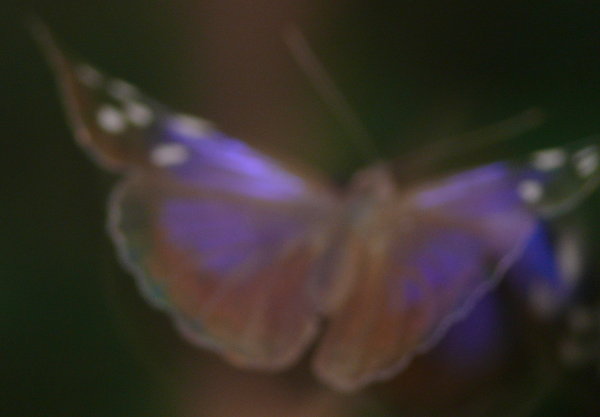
(261,263)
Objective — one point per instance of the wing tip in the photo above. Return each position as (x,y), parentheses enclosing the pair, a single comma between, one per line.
(46,41)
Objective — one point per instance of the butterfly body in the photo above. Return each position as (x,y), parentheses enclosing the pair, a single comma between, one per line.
(258,262)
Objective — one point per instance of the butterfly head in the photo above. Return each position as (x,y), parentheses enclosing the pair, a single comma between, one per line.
(376,183)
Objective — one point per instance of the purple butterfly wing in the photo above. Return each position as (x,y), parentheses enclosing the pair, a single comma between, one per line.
(428,254)
(217,234)
(232,270)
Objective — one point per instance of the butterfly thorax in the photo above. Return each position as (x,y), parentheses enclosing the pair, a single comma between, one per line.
(371,192)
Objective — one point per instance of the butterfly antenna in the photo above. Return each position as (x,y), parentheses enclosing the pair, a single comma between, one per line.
(316,73)
(467,143)
(504,130)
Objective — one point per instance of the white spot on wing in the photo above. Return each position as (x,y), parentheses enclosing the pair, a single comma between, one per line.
(139,114)
(549,159)
(191,126)
(586,161)
(531,190)
(110,119)
(169,154)
(88,76)
(121,90)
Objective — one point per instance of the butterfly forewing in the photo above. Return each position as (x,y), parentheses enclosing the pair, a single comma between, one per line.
(555,180)
(111,119)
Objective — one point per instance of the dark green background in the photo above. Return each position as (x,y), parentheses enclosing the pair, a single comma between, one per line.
(69,345)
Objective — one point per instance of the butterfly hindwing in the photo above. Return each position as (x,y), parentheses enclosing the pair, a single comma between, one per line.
(231,270)
(428,254)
